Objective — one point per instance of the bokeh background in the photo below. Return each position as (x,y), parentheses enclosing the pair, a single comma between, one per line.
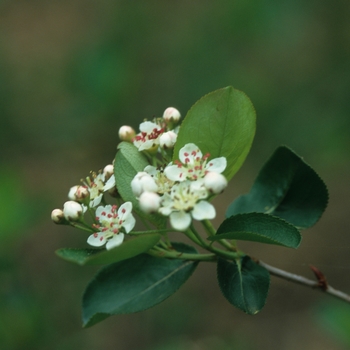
(72,72)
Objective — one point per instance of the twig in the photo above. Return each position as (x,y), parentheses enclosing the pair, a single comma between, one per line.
(319,284)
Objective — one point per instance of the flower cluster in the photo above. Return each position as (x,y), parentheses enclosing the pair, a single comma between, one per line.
(180,190)
(161,132)
(109,224)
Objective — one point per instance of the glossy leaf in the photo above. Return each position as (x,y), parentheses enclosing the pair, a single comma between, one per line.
(244,283)
(127,250)
(286,187)
(134,285)
(221,123)
(128,162)
(259,227)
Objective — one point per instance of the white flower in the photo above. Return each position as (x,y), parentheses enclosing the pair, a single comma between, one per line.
(148,138)
(171,114)
(109,184)
(96,188)
(215,182)
(78,193)
(193,165)
(57,216)
(126,133)
(72,211)
(149,202)
(108,171)
(168,139)
(112,226)
(143,182)
(186,200)
(164,185)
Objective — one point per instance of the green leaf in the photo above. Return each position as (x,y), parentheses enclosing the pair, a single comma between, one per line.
(128,162)
(127,250)
(222,124)
(134,285)
(244,283)
(286,187)
(259,227)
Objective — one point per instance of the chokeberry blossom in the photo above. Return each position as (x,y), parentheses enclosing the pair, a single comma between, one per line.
(193,165)
(164,185)
(112,225)
(72,210)
(148,138)
(171,114)
(186,200)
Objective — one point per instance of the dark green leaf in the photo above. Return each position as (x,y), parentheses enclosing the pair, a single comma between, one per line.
(259,227)
(244,283)
(286,187)
(221,123)
(128,249)
(128,162)
(134,285)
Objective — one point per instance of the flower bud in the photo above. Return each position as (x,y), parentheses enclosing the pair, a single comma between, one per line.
(149,202)
(72,193)
(126,133)
(143,182)
(108,171)
(72,211)
(168,139)
(215,182)
(171,114)
(57,216)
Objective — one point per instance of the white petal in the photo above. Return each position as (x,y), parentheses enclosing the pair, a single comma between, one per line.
(180,220)
(186,153)
(96,201)
(97,240)
(150,169)
(148,127)
(217,164)
(125,210)
(115,241)
(109,184)
(175,173)
(129,223)
(203,210)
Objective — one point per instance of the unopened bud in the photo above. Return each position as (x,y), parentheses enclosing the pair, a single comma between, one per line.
(215,182)
(57,216)
(171,114)
(108,171)
(72,211)
(143,182)
(72,193)
(126,133)
(149,202)
(168,139)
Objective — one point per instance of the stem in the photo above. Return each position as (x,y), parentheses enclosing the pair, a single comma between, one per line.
(305,281)
(151,231)
(212,232)
(81,227)
(179,255)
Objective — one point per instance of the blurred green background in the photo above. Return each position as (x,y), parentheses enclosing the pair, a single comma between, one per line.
(72,72)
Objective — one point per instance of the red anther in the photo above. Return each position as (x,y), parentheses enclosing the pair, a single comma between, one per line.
(95,235)
(101,239)
(198,159)
(120,222)
(103,213)
(210,164)
(123,211)
(187,160)
(104,229)
(115,231)
(197,167)
(109,216)
(97,218)
(194,153)
(206,156)
(180,176)
(190,170)
(186,154)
